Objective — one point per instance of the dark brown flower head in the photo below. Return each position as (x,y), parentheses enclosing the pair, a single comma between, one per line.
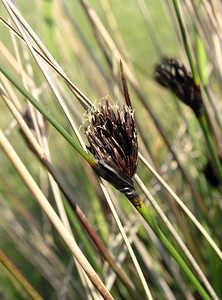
(113,142)
(173,75)
(211,175)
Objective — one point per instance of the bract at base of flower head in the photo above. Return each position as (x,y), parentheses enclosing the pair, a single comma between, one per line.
(119,180)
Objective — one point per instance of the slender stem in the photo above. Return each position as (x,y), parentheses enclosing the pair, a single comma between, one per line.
(184,173)
(185,42)
(9,265)
(47,115)
(202,119)
(149,218)
(53,217)
(88,227)
(74,222)
(201,58)
(70,204)
(211,147)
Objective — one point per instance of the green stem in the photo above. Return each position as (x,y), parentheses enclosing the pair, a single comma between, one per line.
(211,147)
(9,265)
(201,58)
(47,115)
(149,218)
(185,42)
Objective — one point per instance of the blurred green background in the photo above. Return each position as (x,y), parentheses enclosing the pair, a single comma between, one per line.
(26,234)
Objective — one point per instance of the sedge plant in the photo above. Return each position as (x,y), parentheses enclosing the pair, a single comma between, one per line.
(26,129)
(115,151)
(174,76)
(196,87)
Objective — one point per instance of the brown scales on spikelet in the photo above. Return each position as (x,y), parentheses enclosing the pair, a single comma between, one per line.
(113,142)
(112,137)
(173,75)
